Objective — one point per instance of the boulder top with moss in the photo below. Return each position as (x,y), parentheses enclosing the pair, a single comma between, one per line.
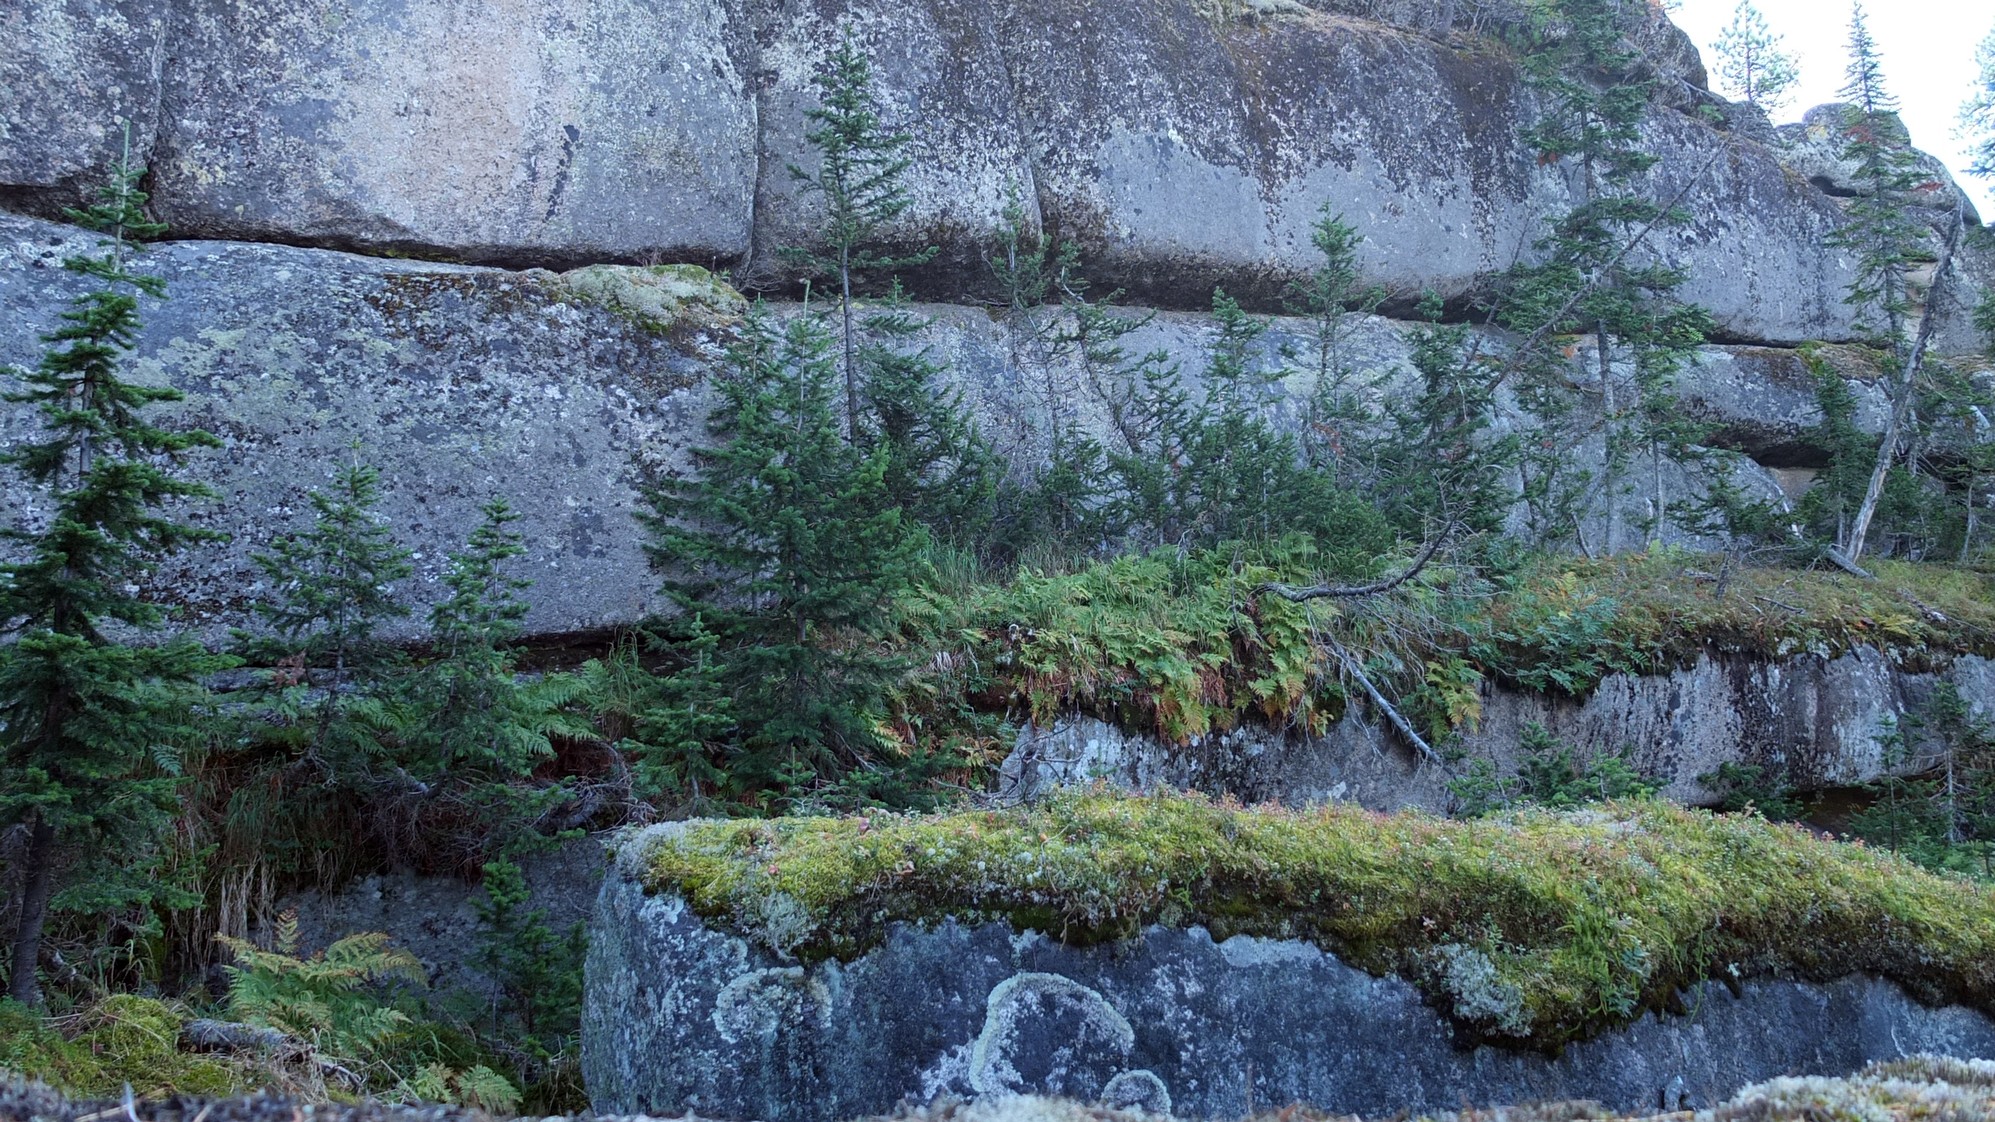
(1566,924)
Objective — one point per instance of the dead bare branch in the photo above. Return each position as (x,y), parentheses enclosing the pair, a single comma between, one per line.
(1299,594)
(1391,711)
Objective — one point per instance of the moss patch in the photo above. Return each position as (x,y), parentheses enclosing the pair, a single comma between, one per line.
(1536,929)
(658,298)
(121,1040)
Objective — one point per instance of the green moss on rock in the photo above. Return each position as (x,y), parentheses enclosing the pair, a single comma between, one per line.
(1535,929)
(660,298)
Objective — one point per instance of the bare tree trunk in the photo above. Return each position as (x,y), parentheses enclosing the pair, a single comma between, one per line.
(1610,474)
(1973,518)
(1902,395)
(22,985)
(851,373)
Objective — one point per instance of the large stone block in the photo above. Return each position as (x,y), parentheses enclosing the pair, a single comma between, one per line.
(459,383)
(1183,152)
(681,1017)
(463,382)
(520,131)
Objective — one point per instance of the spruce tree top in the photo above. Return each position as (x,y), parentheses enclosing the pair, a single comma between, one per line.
(106,466)
(860,171)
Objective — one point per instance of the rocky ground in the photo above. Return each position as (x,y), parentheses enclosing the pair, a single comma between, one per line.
(1910,1090)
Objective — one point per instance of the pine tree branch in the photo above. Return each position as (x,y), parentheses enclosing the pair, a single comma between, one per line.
(1391,711)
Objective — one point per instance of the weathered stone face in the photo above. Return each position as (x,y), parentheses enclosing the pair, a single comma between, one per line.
(520,131)
(71,71)
(460,384)
(463,383)
(1810,722)
(680,1017)
(1181,149)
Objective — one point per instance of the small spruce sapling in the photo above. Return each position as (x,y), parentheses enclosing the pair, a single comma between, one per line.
(536,974)
(332,588)
(479,720)
(89,723)
(682,721)
(787,546)
(939,469)
(1066,502)
(1334,303)
(861,163)
(1443,463)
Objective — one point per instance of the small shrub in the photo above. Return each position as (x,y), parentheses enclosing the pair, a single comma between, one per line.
(1552,773)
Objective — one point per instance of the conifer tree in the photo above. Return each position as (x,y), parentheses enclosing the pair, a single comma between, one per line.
(787,546)
(473,720)
(861,162)
(1597,88)
(939,469)
(1445,466)
(1752,63)
(1332,300)
(1159,426)
(332,586)
(332,590)
(1879,227)
(1977,115)
(536,974)
(88,721)
(683,721)
(1065,503)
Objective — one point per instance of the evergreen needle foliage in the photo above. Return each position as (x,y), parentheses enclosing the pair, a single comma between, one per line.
(1595,278)
(787,547)
(536,974)
(1751,62)
(1977,115)
(860,166)
(90,725)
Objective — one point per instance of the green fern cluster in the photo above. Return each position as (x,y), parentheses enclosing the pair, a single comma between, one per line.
(342,1002)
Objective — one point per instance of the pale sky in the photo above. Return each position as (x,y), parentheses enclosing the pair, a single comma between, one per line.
(1928,48)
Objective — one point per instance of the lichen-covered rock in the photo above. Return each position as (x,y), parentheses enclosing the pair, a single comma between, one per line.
(72,71)
(1808,721)
(1182,144)
(526,131)
(553,389)
(459,383)
(683,1017)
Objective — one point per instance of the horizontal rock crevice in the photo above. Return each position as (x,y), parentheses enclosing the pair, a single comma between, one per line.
(1178,150)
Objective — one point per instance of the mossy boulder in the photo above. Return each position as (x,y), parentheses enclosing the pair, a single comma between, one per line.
(1212,956)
